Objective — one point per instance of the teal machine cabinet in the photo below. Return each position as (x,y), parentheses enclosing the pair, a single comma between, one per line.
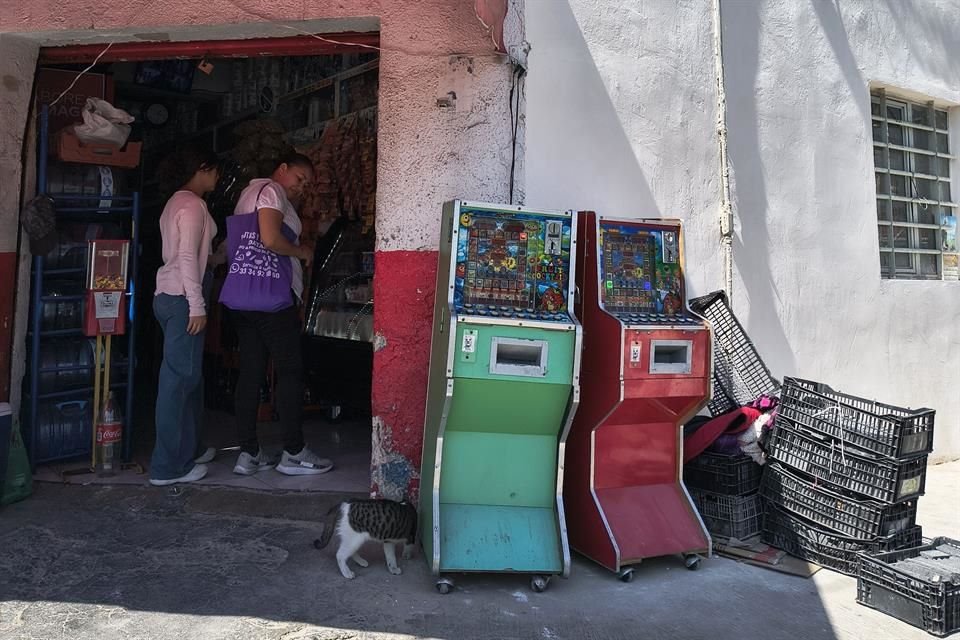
(503,389)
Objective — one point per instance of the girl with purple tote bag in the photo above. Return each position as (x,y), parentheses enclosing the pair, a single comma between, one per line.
(263,291)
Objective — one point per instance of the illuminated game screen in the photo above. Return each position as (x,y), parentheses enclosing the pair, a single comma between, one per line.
(640,272)
(512,265)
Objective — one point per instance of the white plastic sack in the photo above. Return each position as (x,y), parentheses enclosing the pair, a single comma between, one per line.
(103,122)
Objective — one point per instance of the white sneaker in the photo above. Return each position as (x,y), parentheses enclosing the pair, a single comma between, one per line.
(304,463)
(208,455)
(197,473)
(247,465)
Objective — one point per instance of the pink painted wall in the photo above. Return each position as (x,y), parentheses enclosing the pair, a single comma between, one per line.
(414,27)
(427,154)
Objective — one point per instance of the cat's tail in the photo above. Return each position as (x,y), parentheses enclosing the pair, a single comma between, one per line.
(329,525)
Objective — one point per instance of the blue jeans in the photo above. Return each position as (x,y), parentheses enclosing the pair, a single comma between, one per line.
(179,415)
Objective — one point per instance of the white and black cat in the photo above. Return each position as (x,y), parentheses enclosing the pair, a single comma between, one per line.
(357,521)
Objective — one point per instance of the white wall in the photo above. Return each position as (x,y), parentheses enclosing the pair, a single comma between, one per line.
(621,113)
(621,116)
(806,256)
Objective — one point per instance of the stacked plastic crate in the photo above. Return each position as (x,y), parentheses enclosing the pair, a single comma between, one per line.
(739,374)
(844,475)
(920,585)
(724,487)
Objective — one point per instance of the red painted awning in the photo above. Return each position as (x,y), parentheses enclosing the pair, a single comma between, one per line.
(334,43)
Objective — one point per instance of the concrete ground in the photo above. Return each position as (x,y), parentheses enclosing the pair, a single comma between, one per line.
(105,562)
(347,442)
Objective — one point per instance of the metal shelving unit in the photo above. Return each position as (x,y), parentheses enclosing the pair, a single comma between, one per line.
(122,209)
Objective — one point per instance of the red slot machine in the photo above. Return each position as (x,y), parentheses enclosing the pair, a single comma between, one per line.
(645,371)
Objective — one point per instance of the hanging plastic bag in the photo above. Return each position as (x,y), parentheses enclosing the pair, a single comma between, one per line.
(103,122)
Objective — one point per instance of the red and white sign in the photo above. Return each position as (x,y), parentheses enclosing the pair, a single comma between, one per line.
(69,110)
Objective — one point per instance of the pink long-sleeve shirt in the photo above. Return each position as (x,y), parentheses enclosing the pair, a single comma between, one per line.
(187,230)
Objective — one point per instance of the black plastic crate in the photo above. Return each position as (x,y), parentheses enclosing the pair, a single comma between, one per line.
(739,374)
(731,475)
(919,590)
(845,467)
(883,429)
(726,516)
(858,519)
(804,540)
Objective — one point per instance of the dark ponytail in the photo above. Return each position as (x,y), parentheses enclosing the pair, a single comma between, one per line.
(180,166)
(294,159)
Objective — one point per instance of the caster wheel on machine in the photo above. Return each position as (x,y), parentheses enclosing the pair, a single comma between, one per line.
(692,562)
(539,583)
(625,575)
(444,585)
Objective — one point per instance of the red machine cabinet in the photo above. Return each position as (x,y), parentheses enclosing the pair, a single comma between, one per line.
(645,371)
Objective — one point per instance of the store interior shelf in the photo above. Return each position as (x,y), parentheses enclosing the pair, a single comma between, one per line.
(72,209)
(224,124)
(82,391)
(58,333)
(61,298)
(92,198)
(64,272)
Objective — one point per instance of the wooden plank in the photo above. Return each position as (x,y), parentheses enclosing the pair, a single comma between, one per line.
(763,555)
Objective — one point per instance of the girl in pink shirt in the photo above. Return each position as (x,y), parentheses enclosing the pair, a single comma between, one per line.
(186,229)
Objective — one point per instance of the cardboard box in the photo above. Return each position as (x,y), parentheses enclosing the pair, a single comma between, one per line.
(70,149)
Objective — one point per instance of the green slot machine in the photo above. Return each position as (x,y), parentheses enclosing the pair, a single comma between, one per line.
(503,389)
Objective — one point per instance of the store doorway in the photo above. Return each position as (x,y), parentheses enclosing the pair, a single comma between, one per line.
(250,103)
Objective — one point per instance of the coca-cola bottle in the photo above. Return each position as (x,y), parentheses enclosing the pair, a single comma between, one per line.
(109,433)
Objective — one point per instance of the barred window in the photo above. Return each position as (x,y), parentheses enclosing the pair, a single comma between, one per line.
(912,162)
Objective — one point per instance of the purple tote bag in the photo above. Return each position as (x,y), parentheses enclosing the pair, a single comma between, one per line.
(257,279)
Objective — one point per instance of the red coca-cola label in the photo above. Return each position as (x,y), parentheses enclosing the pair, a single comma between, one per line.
(109,432)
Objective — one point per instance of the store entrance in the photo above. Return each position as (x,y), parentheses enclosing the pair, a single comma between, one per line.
(251,106)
